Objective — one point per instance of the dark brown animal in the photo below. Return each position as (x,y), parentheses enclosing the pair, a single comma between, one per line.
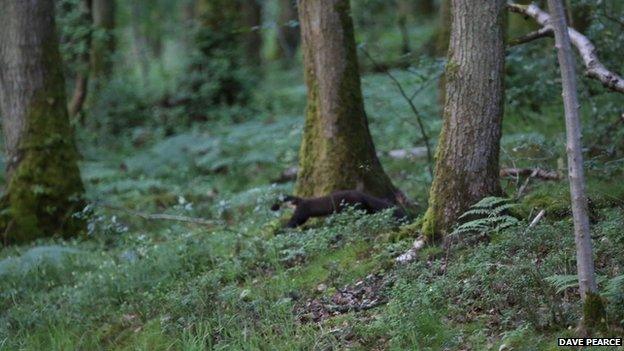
(334,203)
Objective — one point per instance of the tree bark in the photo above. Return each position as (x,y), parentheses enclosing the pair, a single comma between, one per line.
(443,35)
(252,18)
(288,32)
(44,188)
(584,260)
(468,148)
(443,32)
(104,47)
(337,151)
(404,8)
(81,84)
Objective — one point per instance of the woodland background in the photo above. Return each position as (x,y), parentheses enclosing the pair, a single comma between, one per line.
(188,117)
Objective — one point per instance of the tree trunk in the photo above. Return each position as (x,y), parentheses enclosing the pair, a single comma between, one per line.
(424,8)
(220,68)
(43,180)
(467,155)
(443,35)
(443,32)
(337,151)
(252,18)
(104,46)
(81,84)
(139,39)
(288,33)
(593,308)
(404,8)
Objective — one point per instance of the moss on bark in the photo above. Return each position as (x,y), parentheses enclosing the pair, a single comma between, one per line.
(594,315)
(467,153)
(337,150)
(44,186)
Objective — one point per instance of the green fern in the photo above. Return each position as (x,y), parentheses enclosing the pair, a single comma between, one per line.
(562,282)
(490,216)
(613,288)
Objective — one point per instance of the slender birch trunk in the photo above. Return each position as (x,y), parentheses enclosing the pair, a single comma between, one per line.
(592,304)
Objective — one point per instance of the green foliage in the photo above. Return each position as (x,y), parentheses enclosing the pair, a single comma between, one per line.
(74,28)
(218,74)
(563,282)
(613,290)
(489,216)
(148,284)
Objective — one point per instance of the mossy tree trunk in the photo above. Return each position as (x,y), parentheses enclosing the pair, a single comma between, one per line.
(593,310)
(103,45)
(43,188)
(468,148)
(288,34)
(337,151)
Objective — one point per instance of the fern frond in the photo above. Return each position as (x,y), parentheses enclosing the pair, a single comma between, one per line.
(562,282)
(491,202)
(489,212)
(477,212)
(615,287)
(503,207)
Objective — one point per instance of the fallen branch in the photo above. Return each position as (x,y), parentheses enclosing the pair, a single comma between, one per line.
(537,218)
(526,183)
(540,33)
(162,216)
(530,172)
(594,68)
(412,153)
(411,254)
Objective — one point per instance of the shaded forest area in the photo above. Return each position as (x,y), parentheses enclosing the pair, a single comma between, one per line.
(148,146)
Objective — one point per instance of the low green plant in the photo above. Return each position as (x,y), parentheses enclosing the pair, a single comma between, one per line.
(489,215)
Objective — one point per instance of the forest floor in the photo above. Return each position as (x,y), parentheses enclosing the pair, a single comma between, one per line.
(241,282)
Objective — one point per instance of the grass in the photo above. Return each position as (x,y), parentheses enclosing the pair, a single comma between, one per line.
(157,285)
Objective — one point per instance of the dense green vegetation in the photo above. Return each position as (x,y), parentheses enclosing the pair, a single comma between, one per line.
(158,284)
(243,283)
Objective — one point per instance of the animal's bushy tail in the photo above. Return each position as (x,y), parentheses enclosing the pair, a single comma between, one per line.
(286,198)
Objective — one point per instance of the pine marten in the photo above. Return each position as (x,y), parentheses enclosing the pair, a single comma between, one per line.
(334,203)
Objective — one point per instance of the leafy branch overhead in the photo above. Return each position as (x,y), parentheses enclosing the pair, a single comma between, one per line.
(588,52)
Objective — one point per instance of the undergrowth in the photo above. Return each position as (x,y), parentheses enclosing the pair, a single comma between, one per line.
(140,284)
